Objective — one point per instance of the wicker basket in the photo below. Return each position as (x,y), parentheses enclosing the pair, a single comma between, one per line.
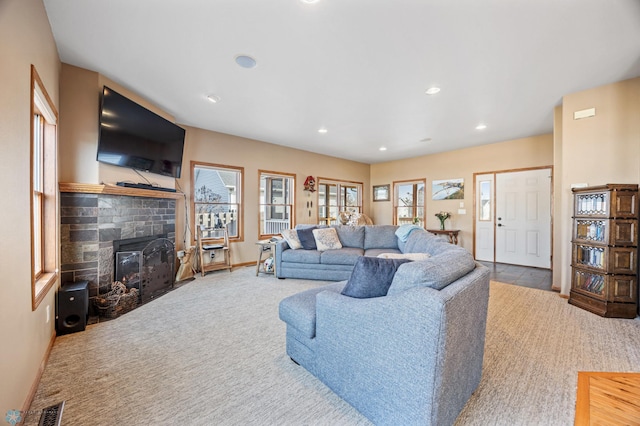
(118,301)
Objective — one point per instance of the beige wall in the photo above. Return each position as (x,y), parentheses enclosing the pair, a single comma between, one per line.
(25,334)
(517,154)
(80,91)
(596,150)
(78,130)
(217,148)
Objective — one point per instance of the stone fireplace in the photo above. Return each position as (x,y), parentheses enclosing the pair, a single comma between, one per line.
(91,222)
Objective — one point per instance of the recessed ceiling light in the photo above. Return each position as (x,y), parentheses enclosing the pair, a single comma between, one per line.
(383,148)
(481,126)
(245,61)
(213,98)
(432,90)
(322,130)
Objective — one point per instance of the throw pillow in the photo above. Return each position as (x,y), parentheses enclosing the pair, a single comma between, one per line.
(403,231)
(305,235)
(408,256)
(291,237)
(371,277)
(326,239)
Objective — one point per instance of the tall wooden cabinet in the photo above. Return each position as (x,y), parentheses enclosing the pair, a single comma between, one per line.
(604,264)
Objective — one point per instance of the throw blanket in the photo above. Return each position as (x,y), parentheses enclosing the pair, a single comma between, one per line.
(403,231)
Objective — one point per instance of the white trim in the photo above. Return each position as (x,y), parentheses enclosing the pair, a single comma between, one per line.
(41,104)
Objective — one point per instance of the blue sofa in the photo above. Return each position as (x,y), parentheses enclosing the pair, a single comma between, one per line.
(336,265)
(412,357)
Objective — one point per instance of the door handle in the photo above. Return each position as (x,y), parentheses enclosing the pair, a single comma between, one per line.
(500,224)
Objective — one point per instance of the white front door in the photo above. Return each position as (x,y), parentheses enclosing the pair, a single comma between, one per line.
(523,218)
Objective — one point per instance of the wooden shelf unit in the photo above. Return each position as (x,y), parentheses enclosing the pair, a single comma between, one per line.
(604,266)
(216,241)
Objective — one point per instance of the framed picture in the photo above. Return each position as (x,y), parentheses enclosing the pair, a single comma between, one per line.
(448,189)
(381,193)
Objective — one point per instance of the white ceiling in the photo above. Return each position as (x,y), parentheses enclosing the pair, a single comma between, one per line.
(359,68)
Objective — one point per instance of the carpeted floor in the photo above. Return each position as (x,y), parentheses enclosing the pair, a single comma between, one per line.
(213,352)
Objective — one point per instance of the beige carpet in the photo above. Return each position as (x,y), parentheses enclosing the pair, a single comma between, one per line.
(212,353)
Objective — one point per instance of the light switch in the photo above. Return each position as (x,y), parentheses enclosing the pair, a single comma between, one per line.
(461,204)
(462,211)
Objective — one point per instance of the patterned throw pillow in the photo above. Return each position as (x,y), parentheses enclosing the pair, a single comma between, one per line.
(291,237)
(326,239)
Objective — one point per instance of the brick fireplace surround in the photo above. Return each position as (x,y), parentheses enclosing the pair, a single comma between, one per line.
(90,220)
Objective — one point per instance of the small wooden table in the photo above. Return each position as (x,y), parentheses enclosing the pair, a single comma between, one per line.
(269,247)
(451,233)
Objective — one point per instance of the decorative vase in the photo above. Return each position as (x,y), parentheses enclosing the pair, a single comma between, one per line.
(442,224)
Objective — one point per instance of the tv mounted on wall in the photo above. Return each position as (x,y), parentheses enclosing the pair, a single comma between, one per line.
(132,136)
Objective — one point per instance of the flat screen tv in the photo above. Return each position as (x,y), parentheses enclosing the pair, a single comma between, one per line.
(132,136)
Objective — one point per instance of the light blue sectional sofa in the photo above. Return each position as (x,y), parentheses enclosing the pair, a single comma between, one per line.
(336,265)
(411,357)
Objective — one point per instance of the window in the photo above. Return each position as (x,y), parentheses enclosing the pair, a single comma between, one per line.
(408,202)
(484,213)
(217,197)
(38,192)
(44,191)
(335,196)
(276,202)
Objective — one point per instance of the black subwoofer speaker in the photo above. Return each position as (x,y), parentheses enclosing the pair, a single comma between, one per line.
(73,307)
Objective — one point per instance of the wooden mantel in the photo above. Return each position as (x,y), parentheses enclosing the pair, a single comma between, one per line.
(89,188)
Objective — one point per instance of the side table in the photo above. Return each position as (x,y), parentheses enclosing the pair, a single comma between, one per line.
(451,233)
(266,247)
